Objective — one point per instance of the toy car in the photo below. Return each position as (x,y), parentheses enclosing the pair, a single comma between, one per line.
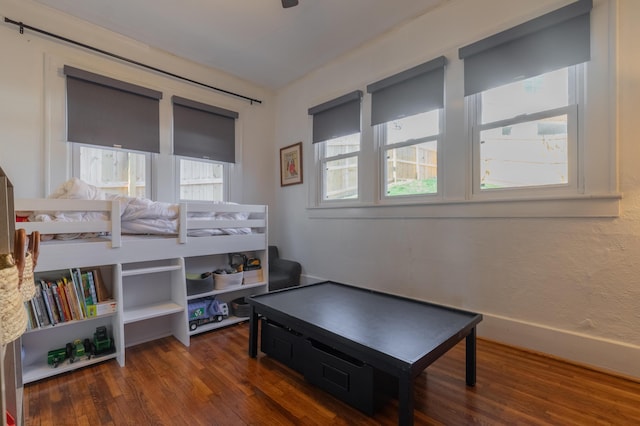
(204,311)
(102,343)
(73,351)
(56,356)
(77,350)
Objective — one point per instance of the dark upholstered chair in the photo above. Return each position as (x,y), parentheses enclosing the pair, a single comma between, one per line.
(282,273)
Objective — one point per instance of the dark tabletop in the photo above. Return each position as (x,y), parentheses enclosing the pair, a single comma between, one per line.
(403,328)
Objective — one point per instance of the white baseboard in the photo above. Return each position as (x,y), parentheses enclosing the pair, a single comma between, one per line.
(605,355)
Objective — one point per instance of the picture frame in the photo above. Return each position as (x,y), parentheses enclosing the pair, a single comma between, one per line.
(291,164)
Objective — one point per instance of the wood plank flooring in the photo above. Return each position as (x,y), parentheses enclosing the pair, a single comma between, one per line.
(214,382)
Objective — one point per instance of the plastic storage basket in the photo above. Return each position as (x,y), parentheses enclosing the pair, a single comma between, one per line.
(223,281)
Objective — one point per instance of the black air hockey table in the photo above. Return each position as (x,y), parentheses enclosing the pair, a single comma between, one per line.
(395,335)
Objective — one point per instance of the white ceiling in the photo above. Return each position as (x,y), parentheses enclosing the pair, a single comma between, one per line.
(256,40)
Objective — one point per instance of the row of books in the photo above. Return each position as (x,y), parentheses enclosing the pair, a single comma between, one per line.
(75,297)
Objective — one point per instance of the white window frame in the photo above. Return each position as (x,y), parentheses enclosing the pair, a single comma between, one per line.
(322,160)
(382,148)
(575,143)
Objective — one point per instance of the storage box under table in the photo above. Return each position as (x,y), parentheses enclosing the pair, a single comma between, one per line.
(345,377)
(283,344)
(342,376)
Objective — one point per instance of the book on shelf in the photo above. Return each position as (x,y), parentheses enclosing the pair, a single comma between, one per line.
(34,310)
(40,310)
(43,306)
(31,317)
(74,288)
(72,299)
(92,287)
(80,292)
(52,308)
(63,286)
(45,302)
(102,308)
(62,290)
(87,298)
(58,301)
(102,294)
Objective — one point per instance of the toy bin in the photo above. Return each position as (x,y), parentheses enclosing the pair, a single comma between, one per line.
(253,276)
(240,307)
(196,284)
(224,281)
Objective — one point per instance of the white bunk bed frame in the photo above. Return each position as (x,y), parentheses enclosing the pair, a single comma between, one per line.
(118,248)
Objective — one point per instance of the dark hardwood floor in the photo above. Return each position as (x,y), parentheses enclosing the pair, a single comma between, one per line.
(214,382)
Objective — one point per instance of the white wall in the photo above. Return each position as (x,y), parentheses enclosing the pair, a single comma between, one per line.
(568,287)
(33,151)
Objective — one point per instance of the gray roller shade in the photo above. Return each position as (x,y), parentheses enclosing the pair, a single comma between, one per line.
(413,91)
(552,41)
(203,131)
(338,117)
(108,112)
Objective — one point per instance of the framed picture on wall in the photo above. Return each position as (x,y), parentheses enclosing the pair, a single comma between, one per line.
(291,164)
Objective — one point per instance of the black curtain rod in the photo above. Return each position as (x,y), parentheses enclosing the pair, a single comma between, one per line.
(22,26)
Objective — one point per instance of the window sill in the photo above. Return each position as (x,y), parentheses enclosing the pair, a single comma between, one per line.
(586,206)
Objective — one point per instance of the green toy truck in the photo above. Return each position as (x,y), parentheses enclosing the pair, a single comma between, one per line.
(102,344)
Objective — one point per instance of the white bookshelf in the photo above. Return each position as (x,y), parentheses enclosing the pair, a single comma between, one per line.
(201,264)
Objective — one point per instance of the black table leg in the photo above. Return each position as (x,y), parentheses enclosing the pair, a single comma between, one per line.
(471,357)
(405,400)
(253,333)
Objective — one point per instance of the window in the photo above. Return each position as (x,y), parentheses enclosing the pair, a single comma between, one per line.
(525,136)
(336,130)
(113,113)
(339,165)
(410,153)
(524,103)
(201,180)
(522,126)
(103,113)
(205,134)
(115,171)
(406,110)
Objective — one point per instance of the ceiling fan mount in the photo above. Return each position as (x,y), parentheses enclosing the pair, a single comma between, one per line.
(289,3)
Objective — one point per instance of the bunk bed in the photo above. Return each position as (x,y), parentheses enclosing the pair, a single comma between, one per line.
(91,228)
(144,268)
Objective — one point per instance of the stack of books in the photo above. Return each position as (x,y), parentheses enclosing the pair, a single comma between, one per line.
(76,296)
